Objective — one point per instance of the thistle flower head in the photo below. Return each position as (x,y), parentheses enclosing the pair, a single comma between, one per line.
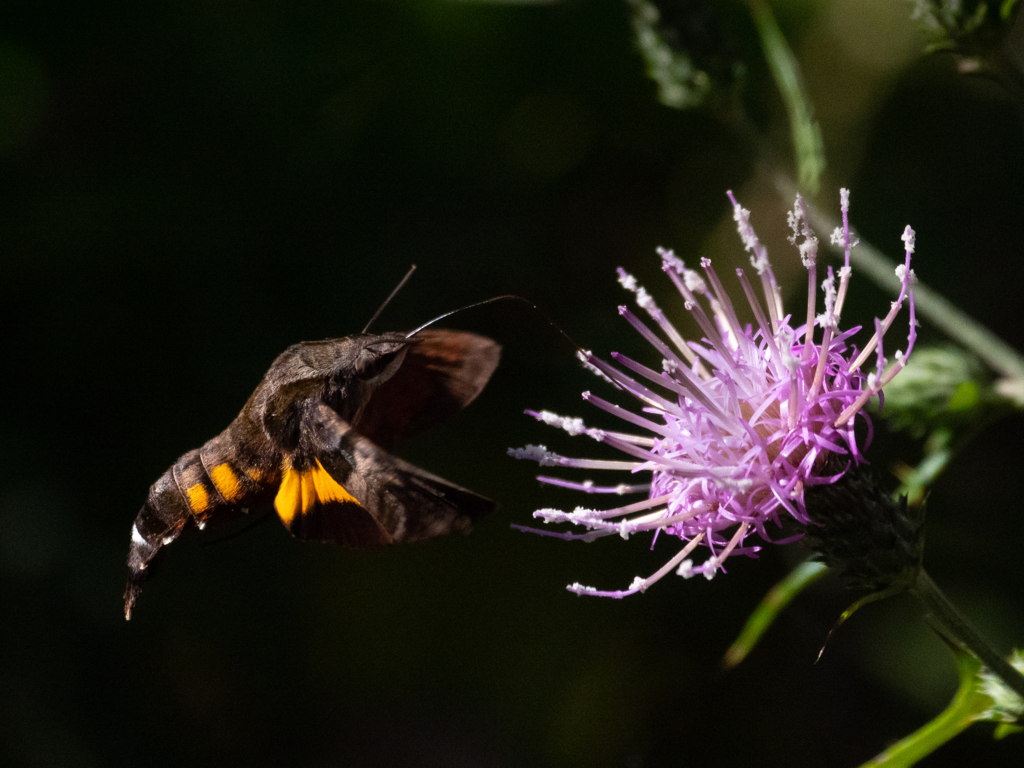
(733,429)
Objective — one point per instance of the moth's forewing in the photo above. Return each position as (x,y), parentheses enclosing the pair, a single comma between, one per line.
(442,373)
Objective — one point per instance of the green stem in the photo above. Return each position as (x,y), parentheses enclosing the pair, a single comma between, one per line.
(961,712)
(944,315)
(956,628)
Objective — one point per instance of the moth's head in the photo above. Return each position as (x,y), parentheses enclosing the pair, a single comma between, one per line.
(359,366)
(370,359)
(350,367)
(353,359)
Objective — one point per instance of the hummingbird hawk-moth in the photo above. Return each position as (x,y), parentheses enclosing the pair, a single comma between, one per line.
(315,439)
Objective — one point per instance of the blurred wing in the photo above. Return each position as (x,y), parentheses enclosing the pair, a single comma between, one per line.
(342,488)
(442,373)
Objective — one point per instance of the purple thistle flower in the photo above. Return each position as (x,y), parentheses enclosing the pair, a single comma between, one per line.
(735,428)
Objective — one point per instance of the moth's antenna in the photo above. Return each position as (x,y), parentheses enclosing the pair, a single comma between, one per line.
(510,297)
(390,297)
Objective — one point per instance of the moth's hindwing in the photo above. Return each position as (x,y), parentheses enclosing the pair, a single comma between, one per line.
(350,491)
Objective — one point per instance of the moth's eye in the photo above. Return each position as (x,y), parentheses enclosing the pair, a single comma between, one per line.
(371,362)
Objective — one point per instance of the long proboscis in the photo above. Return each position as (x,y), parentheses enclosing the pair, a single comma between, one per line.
(492,300)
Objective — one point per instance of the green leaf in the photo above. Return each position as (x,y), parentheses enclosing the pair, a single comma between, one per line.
(768,609)
(807,142)
(966,706)
(981,696)
(1006,729)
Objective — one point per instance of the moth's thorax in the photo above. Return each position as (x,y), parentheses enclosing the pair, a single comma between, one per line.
(343,373)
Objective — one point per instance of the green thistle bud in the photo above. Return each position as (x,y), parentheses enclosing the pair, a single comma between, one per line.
(939,387)
(968,27)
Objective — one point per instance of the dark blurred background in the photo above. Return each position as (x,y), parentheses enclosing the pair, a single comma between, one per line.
(187,188)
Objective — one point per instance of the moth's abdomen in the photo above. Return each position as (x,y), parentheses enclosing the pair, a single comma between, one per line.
(204,485)
(161,519)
